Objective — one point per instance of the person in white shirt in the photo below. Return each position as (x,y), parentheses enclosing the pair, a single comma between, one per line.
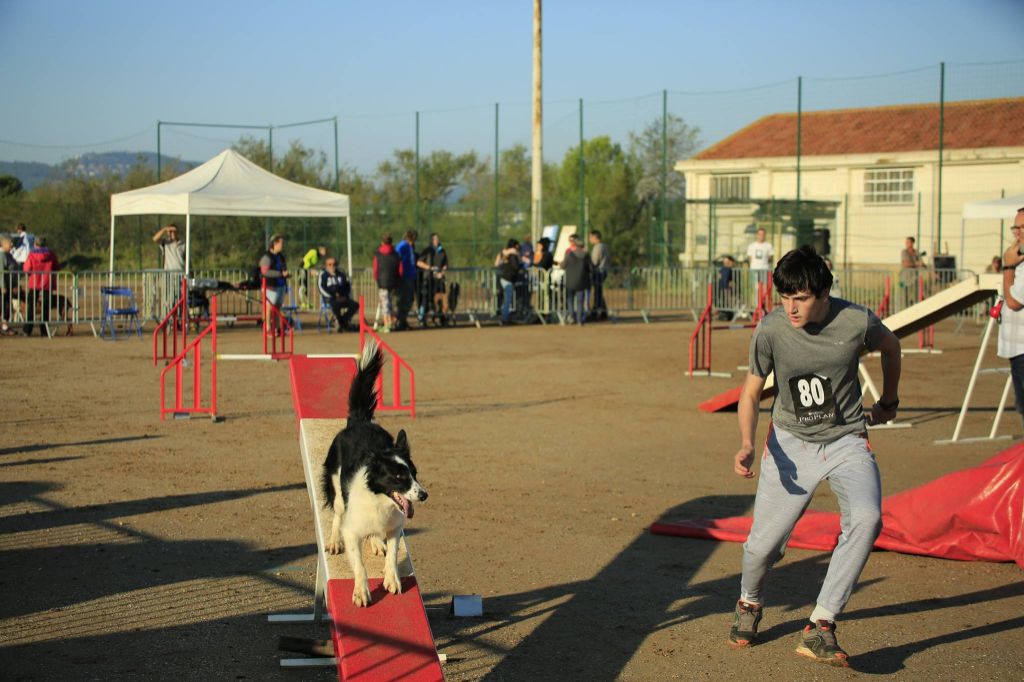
(1011,327)
(23,243)
(760,256)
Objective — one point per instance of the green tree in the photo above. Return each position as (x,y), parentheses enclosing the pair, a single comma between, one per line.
(9,186)
(679,142)
(610,177)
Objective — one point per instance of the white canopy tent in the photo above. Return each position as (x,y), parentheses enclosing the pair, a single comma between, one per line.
(994,209)
(230,184)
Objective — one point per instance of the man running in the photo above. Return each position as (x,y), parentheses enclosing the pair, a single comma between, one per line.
(813,344)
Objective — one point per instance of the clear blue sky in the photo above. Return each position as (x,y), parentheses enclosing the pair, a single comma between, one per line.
(97,76)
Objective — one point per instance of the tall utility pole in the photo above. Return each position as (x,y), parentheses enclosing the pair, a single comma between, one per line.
(537,166)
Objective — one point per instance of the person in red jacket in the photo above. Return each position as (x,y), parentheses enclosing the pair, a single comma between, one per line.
(40,264)
(387,271)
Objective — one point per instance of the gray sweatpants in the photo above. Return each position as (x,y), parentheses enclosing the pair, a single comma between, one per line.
(791,469)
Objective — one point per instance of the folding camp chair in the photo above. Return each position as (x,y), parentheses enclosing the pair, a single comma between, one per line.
(119,302)
(325,318)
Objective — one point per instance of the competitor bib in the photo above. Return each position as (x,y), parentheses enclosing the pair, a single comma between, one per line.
(813,402)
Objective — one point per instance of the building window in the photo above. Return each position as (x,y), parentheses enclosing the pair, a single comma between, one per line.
(889,186)
(730,187)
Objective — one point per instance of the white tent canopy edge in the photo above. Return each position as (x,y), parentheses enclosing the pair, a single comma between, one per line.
(229,184)
(996,209)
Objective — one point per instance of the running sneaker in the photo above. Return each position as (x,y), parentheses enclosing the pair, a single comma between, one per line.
(744,625)
(818,642)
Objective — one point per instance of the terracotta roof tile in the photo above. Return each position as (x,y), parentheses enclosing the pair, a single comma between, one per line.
(968,125)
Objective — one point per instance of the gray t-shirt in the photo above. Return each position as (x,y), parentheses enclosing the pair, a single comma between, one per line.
(174,254)
(599,257)
(818,397)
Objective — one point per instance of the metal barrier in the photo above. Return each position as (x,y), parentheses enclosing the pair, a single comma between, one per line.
(76,298)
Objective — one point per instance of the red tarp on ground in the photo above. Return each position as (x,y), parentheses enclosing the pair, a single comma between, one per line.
(972,515)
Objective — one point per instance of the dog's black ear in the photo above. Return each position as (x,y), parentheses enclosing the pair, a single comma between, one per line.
(401,441)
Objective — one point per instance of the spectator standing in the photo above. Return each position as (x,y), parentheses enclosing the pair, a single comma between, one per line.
(760,256)
(9,283)
(1011,328)
(336,291)
(23,243)
(600,259)
(726,302)
(387,268)
(543,258)
(172,252)
(309,261)
(433,264)
(508,264)
(274,271)
(407,289)
(995,266)
(527,252)
(41,264)
(910,263)
(578,276)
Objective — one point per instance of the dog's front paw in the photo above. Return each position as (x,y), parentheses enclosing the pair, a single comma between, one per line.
(392,583)
(361,595)
(335,547)
(379,548)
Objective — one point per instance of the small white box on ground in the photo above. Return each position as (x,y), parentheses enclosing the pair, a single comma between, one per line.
(467,606)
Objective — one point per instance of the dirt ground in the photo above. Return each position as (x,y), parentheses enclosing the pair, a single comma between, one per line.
(132,548)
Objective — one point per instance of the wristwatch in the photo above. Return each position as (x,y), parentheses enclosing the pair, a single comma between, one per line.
(888,407)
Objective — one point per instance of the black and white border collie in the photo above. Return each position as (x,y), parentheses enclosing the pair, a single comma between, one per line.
(370,481)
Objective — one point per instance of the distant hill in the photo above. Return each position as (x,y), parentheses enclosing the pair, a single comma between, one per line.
(33,174)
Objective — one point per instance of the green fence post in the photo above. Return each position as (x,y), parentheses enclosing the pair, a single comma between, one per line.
(799,143)
(942,122)
(496,169)
(417,170)
(583,216)
(664,177)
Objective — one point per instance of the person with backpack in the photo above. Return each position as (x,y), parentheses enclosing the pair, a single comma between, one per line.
(387,272)
(274,272)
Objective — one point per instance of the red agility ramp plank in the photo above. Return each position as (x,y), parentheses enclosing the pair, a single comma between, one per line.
(726,402)
(388,640)
(320,386)
(975,514)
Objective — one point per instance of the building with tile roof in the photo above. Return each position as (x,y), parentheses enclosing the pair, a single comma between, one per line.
(870,177)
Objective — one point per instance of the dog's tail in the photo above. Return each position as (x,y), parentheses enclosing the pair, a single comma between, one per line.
(362,397)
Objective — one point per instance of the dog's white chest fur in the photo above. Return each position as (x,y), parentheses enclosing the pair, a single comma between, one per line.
(370,514)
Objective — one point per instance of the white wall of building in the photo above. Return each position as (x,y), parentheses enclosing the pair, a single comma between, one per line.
(864,233)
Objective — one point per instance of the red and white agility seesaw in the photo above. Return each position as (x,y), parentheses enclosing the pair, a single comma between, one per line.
(391,638)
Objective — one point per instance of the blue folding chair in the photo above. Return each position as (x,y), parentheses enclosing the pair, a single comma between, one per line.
(291,311)
(119,303)
(326,317)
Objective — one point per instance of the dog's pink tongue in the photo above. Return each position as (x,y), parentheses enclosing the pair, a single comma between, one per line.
(404,503)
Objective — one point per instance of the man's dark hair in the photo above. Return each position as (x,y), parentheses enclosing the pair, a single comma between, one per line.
(21,226)
(802,269)
(596,233)
(410,235)
(512,244)
(386,239)
(912,239)
(40,242)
